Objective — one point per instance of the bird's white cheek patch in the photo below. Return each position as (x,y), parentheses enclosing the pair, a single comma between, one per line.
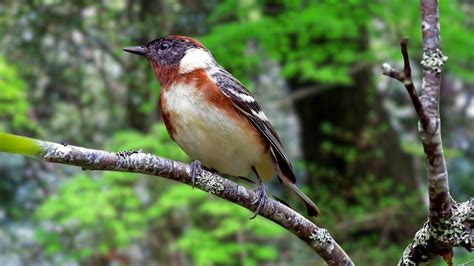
(195,59)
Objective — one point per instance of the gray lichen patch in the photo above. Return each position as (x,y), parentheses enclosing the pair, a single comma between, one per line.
(209,182)
(422,236)
(406,258)
(463,213)
(320,237)
(55,152)
(421,239)
(452,232)
(434,60)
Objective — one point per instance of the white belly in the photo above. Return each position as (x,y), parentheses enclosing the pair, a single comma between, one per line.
(209,135)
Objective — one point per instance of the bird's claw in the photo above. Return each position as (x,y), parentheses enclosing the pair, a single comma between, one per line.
(260,200)
(196,169)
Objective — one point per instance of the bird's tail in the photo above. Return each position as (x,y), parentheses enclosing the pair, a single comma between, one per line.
(284,171)
(311,207)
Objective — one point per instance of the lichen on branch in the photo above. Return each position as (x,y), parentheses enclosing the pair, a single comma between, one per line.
(317,238)
(449,224)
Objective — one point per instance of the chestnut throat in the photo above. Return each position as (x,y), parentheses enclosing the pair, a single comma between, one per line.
(165,74)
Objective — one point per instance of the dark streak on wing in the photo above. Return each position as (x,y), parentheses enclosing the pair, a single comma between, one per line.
(231,87)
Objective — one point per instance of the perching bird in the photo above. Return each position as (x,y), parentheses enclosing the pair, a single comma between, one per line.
(213,118)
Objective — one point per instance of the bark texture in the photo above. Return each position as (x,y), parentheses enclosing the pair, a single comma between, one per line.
(317,238)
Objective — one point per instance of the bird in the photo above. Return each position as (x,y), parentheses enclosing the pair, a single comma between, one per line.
(214,118)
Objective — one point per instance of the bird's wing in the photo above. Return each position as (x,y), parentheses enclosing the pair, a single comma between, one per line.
(247,105)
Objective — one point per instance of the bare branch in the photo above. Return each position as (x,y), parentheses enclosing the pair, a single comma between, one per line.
(405,78)
(449,224)
(317,238)
(433,60)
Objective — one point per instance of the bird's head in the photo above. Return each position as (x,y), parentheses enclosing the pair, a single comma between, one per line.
(174,55)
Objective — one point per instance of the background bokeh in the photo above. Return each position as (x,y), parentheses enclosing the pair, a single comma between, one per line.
(315,68)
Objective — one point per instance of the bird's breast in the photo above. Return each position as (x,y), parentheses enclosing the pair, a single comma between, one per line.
(211,130)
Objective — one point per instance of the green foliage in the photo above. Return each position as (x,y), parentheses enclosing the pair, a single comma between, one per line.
(374,205)
(85,91)
(14,104)
(305,35)
(290,38)
(95,208)
(108,208)
(399,21)
(157,141)
(219,228)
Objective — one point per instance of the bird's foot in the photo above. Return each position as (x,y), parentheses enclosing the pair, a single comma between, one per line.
(196,169)
(260,200)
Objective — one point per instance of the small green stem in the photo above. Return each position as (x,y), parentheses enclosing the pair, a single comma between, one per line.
(19,145)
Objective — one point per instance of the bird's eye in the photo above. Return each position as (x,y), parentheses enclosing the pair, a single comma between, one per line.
(164,45)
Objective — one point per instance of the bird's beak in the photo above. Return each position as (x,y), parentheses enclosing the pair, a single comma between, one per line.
(139,50)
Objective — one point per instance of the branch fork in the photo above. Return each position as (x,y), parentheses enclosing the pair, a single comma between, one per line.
(405,78)
(450,224)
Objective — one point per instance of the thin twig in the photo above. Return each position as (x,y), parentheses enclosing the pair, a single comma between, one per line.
(405,78)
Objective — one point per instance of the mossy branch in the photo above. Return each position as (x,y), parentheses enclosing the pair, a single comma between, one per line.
(317,238)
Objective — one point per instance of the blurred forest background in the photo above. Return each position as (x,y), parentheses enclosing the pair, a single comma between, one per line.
(315,68)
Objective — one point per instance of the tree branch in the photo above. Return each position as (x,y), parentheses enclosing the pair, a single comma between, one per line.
(317,238)
(449,223)
(405,78)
